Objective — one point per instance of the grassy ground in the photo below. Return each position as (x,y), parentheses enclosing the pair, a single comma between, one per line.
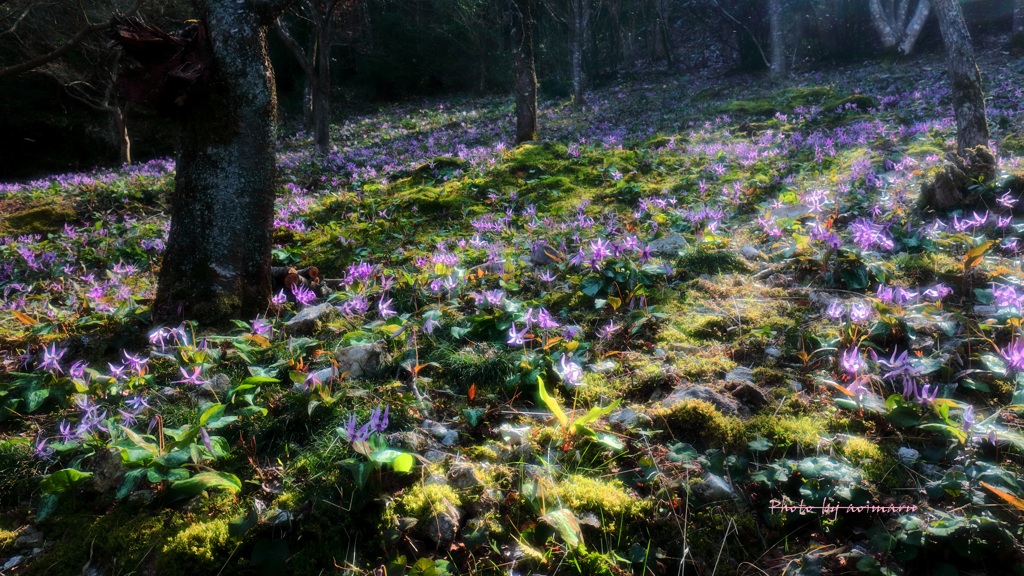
(701,326)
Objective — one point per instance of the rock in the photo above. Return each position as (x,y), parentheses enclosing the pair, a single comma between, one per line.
(796,386)
(107,471)
(514,435)
(411,440)
(908,455)
(773,352)
(220,383)
(463,475)
(712,488)
(698,392)
(30,537)
(14,562)
(443,527)
(740,374)
(624,417)
(435,455)
(309,319)
(604,367)
(360,359)
(544,254)
(750,253)
(750,395)
(669,246)
(790,211)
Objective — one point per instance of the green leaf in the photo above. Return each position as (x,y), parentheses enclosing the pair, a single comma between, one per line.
(47,506)
(759,445)
(243,524)
(63,480)
(473,415)
(975,255)
(681,452)
(551,403)
(385,456)
(566,524)
(403,463)
(595,413)
(218,481)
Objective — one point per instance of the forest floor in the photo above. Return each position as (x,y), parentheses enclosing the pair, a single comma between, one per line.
(701,328)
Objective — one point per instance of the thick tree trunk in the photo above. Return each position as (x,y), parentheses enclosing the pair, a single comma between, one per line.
(217,262)
(525,73)
(968,98)
(775,24)
(913,29)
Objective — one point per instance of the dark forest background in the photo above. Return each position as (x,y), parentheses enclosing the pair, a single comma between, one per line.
(58,117)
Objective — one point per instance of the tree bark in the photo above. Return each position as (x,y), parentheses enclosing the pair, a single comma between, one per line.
(579,15)
(915,26)
(893,25)
(1018,17)
(324,22)
(775,24)
(968,98)
(525,72)
(217,262)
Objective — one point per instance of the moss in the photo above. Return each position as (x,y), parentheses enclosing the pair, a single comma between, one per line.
(700,366)
(425,501)
(44,218)
(1013,143)
(7,538)
(867,455)
(803,432)
(198,545)
(699,422)
(700,262)
(770,377)
(607,499)
(118,542)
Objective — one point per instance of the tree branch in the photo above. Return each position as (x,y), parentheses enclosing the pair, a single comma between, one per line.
(38,61)
(293,47)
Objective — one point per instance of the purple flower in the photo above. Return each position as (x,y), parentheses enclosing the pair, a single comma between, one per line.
(384,308)
(924,397)
(304,295)
(938,292)
(545,321)
(77,370)
(137,403)
(852,362)
(279,299)
(128,419)
(51,359)
(429,325)
(860,312)
(868,234)
(116,372)
(260,327)
(516,338)
(605,333)
(835,310)
(193,378)
(136,363)
(41,450)
(1014,355)
(66,435)
(571,373)
(205,436)
(968,418)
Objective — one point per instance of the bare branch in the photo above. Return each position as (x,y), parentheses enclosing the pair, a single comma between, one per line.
(293,46)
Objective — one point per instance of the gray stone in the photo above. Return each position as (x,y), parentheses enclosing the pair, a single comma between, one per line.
(604,367)
(740,374)
(220,384)
(712,488)
(360,359)
(463,475)
(435,455)
(309,319)
(14,562)
(796,386)
(107,471)
(773,352)
(750,253)
(515,435)
(790,211)
(624,417)
(750,395)
(544,254)
(698,392)
(443,527)
(669,245)
(30,537)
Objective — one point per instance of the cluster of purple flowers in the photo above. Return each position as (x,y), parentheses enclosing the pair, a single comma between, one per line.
(868,235)
(378,423)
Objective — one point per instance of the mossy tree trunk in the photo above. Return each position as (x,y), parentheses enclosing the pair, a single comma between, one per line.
(217,262)
(968,98)
(525,72)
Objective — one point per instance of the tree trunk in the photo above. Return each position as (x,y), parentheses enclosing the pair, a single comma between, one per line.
(778,63)
(525,73)
(322,87)
(578,16)
(1018,17)
(968,98)
(217,262)
(124,143)
(913,29)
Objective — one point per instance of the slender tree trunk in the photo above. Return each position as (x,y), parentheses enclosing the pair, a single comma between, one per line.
(322,87)
(309,75)
(525,73)
(579,14)
(913,29)
(124,143)
(217,262)
(1018,17)
(778,63)
(968,98)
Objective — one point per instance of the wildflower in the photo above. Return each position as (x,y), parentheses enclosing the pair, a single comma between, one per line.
(516,338)
(968,418)
(77,370)
(64,430)
(923,397)
(858,389)
(429,325)
(41,450)
(137,403)
(835,310)
(860,312)
(260,327)
(937,292)
(1014,355)
(279,299)
(116,372)
(51,359)
(136,363)
(379,422)
(605,333)
(571,373)
(384,308)
(192,378)
(545,321)
(128,419)
(852,362)
(304,295)
(205,436)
